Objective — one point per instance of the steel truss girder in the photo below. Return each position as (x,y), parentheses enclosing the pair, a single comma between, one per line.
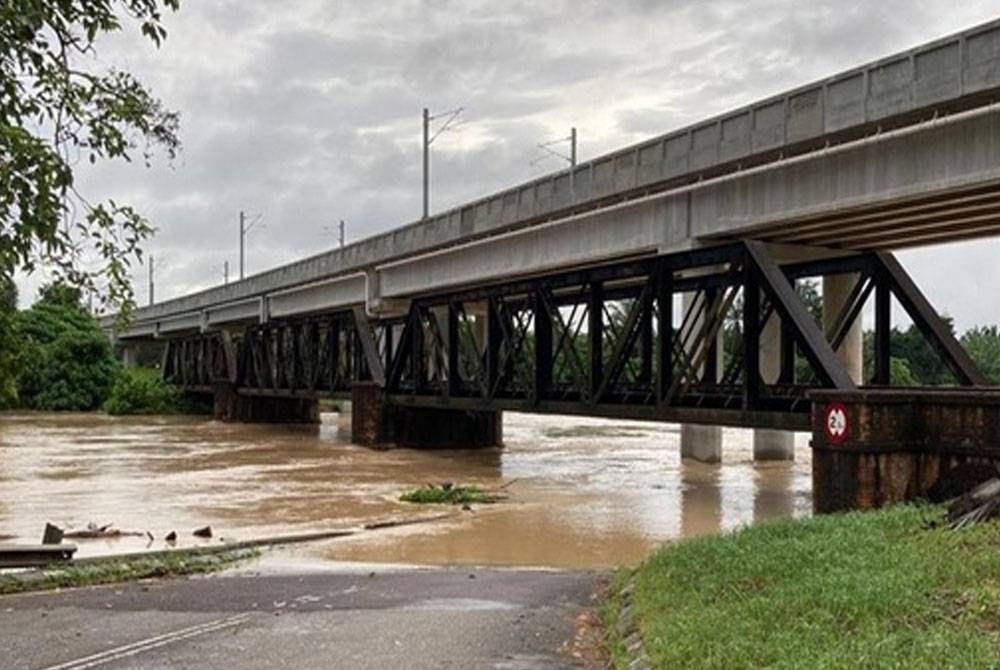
(600,340)
(557,329)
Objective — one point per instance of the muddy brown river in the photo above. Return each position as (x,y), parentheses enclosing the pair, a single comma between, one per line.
(581,492)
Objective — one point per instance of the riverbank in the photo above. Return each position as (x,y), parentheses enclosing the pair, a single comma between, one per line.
(878,589)
(114,570)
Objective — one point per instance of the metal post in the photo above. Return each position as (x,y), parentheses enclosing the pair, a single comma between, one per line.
(427,161)
(572,162)
(883,332)
(225,272)
(595,337)
(665,331)
(151,286)
(242,238)
(543,348)
(751,338)
(341,233)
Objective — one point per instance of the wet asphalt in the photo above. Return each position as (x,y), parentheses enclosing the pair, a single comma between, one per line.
(353,617)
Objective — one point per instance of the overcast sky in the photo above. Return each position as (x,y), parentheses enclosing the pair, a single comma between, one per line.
(308,111)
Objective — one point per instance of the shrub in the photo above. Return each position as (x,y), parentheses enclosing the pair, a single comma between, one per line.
(143,392)
(68,362)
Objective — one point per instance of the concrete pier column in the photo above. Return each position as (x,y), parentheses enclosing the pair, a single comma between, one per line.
(836,291)
(130,357)
(702,443)
(772,445)
(367,414)
(374,422)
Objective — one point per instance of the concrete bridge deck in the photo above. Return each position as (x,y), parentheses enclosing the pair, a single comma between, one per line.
(898,152)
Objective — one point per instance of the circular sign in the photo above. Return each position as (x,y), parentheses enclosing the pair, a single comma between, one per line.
(837,423)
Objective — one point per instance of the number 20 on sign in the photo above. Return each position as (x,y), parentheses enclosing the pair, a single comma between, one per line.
(837,420)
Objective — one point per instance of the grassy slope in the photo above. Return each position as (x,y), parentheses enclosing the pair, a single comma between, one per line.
(846,591)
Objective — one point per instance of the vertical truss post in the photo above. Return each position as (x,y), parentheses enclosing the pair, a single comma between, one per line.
(595,338)
(295,364)
(665,329)
(883,328)
(751,337)
(646,341)
(387,335)
(710,368)
(417,348)
(333,353)
(452,347)
(787,374)
(543,347)
(494,336)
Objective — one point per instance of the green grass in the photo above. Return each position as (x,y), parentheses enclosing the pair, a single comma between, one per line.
(455,495)
(110,571)
(861,590)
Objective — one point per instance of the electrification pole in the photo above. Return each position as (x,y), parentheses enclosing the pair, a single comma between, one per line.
(246,225)
(152,263)
(225,272)
(571,158)
(243,234)
(449,117)
(342,232)
(427,162)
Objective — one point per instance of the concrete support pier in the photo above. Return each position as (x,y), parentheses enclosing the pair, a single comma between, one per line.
(772,445)
(882,446)
(230,406)
(836,291)
(375,422)
(703,443)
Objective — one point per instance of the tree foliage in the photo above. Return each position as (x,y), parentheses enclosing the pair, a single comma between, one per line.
(57,108)
(68,361)
(11,351)
(983,344)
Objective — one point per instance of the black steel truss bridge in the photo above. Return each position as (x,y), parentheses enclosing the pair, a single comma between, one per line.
(675,337)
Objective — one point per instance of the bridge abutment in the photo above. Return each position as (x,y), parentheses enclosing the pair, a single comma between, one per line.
(375,422)
(881,446)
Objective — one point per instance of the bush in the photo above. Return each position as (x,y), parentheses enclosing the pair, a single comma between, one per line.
(75,373)
(143,392)
(68,361)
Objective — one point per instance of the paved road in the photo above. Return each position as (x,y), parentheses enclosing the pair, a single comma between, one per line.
(407,618)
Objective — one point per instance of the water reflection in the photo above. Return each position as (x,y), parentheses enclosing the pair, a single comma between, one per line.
(583,492)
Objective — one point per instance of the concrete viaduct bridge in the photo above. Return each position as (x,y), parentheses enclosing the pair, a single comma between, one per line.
(656,282)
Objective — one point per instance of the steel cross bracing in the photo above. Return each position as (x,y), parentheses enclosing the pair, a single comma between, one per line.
(674,337)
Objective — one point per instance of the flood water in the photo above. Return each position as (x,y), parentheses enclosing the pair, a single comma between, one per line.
(581,492)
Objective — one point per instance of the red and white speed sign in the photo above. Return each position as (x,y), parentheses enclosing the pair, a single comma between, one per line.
(838,423)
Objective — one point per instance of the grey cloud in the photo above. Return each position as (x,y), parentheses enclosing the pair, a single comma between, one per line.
(311,112)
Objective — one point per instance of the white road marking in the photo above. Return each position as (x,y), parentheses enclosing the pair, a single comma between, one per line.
(150,643)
